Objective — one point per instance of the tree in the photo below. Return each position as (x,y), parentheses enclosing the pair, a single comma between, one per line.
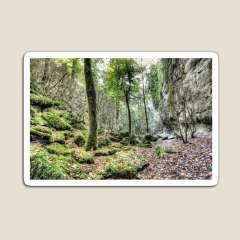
(120,82)
(92,113)
(144,98)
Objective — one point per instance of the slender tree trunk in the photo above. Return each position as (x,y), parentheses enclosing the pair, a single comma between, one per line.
(92,113)
(129,117)
(74,69)
(45,74)
(145,105)
(117,113)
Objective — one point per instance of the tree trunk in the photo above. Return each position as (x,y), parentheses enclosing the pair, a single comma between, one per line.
(92,113)
(129,117)
(74,69)
(45,76)
(117,113)
(145,105)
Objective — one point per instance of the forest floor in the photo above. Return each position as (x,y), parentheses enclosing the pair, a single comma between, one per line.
(192,160)
(182,161)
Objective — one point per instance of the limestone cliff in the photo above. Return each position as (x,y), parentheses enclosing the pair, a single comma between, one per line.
(189,76)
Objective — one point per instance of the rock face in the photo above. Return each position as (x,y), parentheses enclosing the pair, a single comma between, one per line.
(195,77)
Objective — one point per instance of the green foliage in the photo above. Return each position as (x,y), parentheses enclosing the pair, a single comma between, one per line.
(42,101)
(160,151)
(43,133)
(120,76)
(57,148)
(82,156)
(56,120)
(155,85)
(125,165)
(103,141)
(105,151)
(80,139)
(48,166)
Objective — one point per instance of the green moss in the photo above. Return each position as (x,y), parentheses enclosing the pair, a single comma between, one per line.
(125,165)
(54,120)
(48,166)
(40,132)
(105,151)
(37,119)
(42,101)
(59,137)
(103,141)
(57,148)
(80,139)
(82,156)
(33,111)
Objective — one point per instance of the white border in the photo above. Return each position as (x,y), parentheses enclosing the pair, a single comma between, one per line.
(139,183)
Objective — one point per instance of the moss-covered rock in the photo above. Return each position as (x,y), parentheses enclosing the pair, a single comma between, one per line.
(42,101)
(42,133)
(37,119)
(80,139)
(57,148)
(68,134)
(82,156)
(59,137)
(54,120)
(125,165)
(105,151)
(103,141)
(33,111)
(48,166)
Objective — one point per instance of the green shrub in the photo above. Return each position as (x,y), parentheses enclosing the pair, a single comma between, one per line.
(82,156)
(57,148)
(40,132)
(80,139)
(160,151)
(48,166)
(42,101)
(125,165)
(55,121)
(105,151)
(103,141)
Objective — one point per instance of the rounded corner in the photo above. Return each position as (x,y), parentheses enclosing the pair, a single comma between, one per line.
(214,182)
(27,182)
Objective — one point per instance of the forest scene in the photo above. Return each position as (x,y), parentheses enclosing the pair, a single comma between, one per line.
(121,118)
